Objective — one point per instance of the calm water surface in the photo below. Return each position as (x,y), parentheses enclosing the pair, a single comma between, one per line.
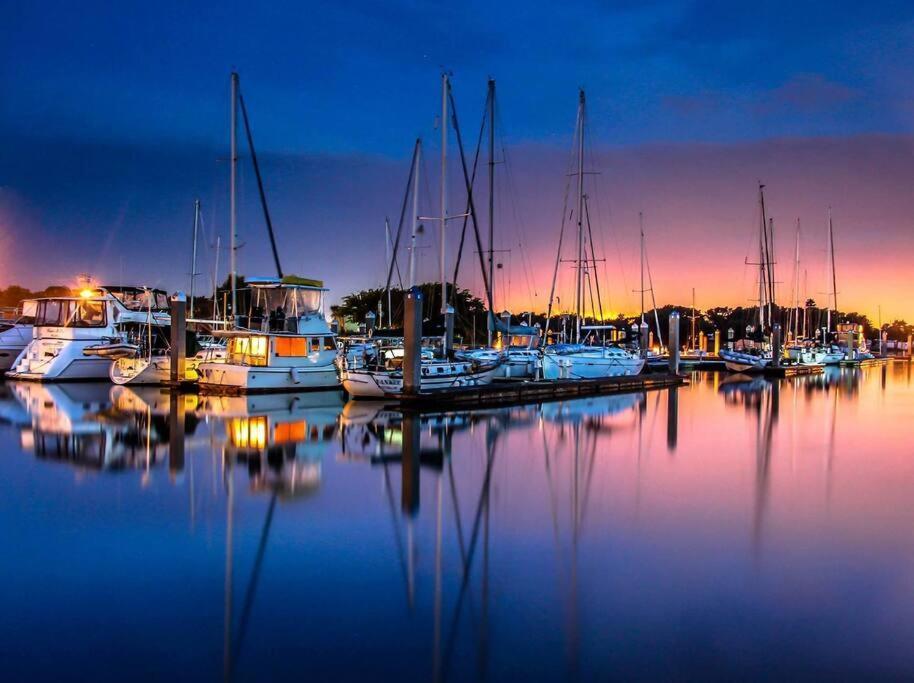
(728,529)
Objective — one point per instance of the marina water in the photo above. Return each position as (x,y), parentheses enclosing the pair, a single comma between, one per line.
(731,528)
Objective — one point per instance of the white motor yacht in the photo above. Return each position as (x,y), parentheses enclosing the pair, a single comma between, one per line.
(76,338)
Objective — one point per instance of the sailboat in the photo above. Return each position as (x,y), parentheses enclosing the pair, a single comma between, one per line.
(284,341)
(518,345)
(828,352)
(384,375)
(583,360)
(750,355)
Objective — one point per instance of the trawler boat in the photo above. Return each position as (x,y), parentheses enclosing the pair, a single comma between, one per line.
(77,337)
(283,344)
(17,335)
(579,361)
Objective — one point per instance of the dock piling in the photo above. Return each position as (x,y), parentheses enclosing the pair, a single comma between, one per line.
(177,305)
(412,341)
(448,332)
(674,343)
(776,345)
(643,339)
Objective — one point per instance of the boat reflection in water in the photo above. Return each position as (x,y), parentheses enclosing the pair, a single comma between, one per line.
(77,424)
(617,536)
(280,438)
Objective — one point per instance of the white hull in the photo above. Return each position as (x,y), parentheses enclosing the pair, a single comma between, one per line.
(141,370)
(56,360)
(589,365)
(12,342)
(743,362)
(266,378)
(379,383)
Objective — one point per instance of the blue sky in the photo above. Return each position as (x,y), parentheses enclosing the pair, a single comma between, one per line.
(114,117)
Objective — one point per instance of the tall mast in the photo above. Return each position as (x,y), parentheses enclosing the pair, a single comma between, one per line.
(412,245)
(491,198)
(769,268)
(579,289)
(796,284)
(692,343)
(641,227)
(444,87)
(762,245)
(834,277)
(233,164)
(388,263)
(193,260)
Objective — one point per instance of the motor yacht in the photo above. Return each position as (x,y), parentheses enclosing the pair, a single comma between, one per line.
(283,344)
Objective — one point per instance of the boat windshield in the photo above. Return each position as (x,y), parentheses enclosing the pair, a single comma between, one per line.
(293,302)
(139,300)
(70,313)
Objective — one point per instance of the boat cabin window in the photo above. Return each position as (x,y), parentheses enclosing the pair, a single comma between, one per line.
(329,344)
(71,313)
(248,350)
(292,302)
(291,346)
(315,344)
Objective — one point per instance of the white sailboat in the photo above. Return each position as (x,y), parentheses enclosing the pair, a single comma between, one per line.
(385,375)
(580,360)
(749,355)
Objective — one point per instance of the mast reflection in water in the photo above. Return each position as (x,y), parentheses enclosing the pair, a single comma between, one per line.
(734,527)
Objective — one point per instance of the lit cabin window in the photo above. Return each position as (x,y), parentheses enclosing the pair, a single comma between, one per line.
(329,344)
(248,350)
(315,344)
(291,346)
(249,432)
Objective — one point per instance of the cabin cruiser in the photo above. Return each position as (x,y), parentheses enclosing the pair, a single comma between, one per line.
(283,344)
(517,350)
(77,337)
(581,361)
(386,376)
(745,360)
(16,335)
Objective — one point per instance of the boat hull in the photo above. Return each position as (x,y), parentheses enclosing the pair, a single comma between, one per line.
(589,366)
(249,378)
(378,383)
(743,363)
(55,360)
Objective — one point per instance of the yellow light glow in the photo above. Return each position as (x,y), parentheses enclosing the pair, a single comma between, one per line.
(249,432)
(86,293)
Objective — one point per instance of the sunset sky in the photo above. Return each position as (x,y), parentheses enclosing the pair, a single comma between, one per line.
(114,118)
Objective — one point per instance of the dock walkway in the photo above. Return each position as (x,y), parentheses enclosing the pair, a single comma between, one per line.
(504,393)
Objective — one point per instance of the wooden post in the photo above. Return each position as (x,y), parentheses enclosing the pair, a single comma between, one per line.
(716,342)
(412,342)
(674,343)
(409,464)
(776,345)
(178,309)
(643,340)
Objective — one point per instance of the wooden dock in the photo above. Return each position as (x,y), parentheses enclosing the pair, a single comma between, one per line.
(793,370)
(868,363)
(514,393)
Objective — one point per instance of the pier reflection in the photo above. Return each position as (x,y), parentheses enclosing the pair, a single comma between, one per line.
(550,541)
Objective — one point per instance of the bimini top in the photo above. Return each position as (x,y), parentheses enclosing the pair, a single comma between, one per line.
(289,281)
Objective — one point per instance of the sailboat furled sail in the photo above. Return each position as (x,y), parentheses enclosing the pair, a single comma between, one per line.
(589,357)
